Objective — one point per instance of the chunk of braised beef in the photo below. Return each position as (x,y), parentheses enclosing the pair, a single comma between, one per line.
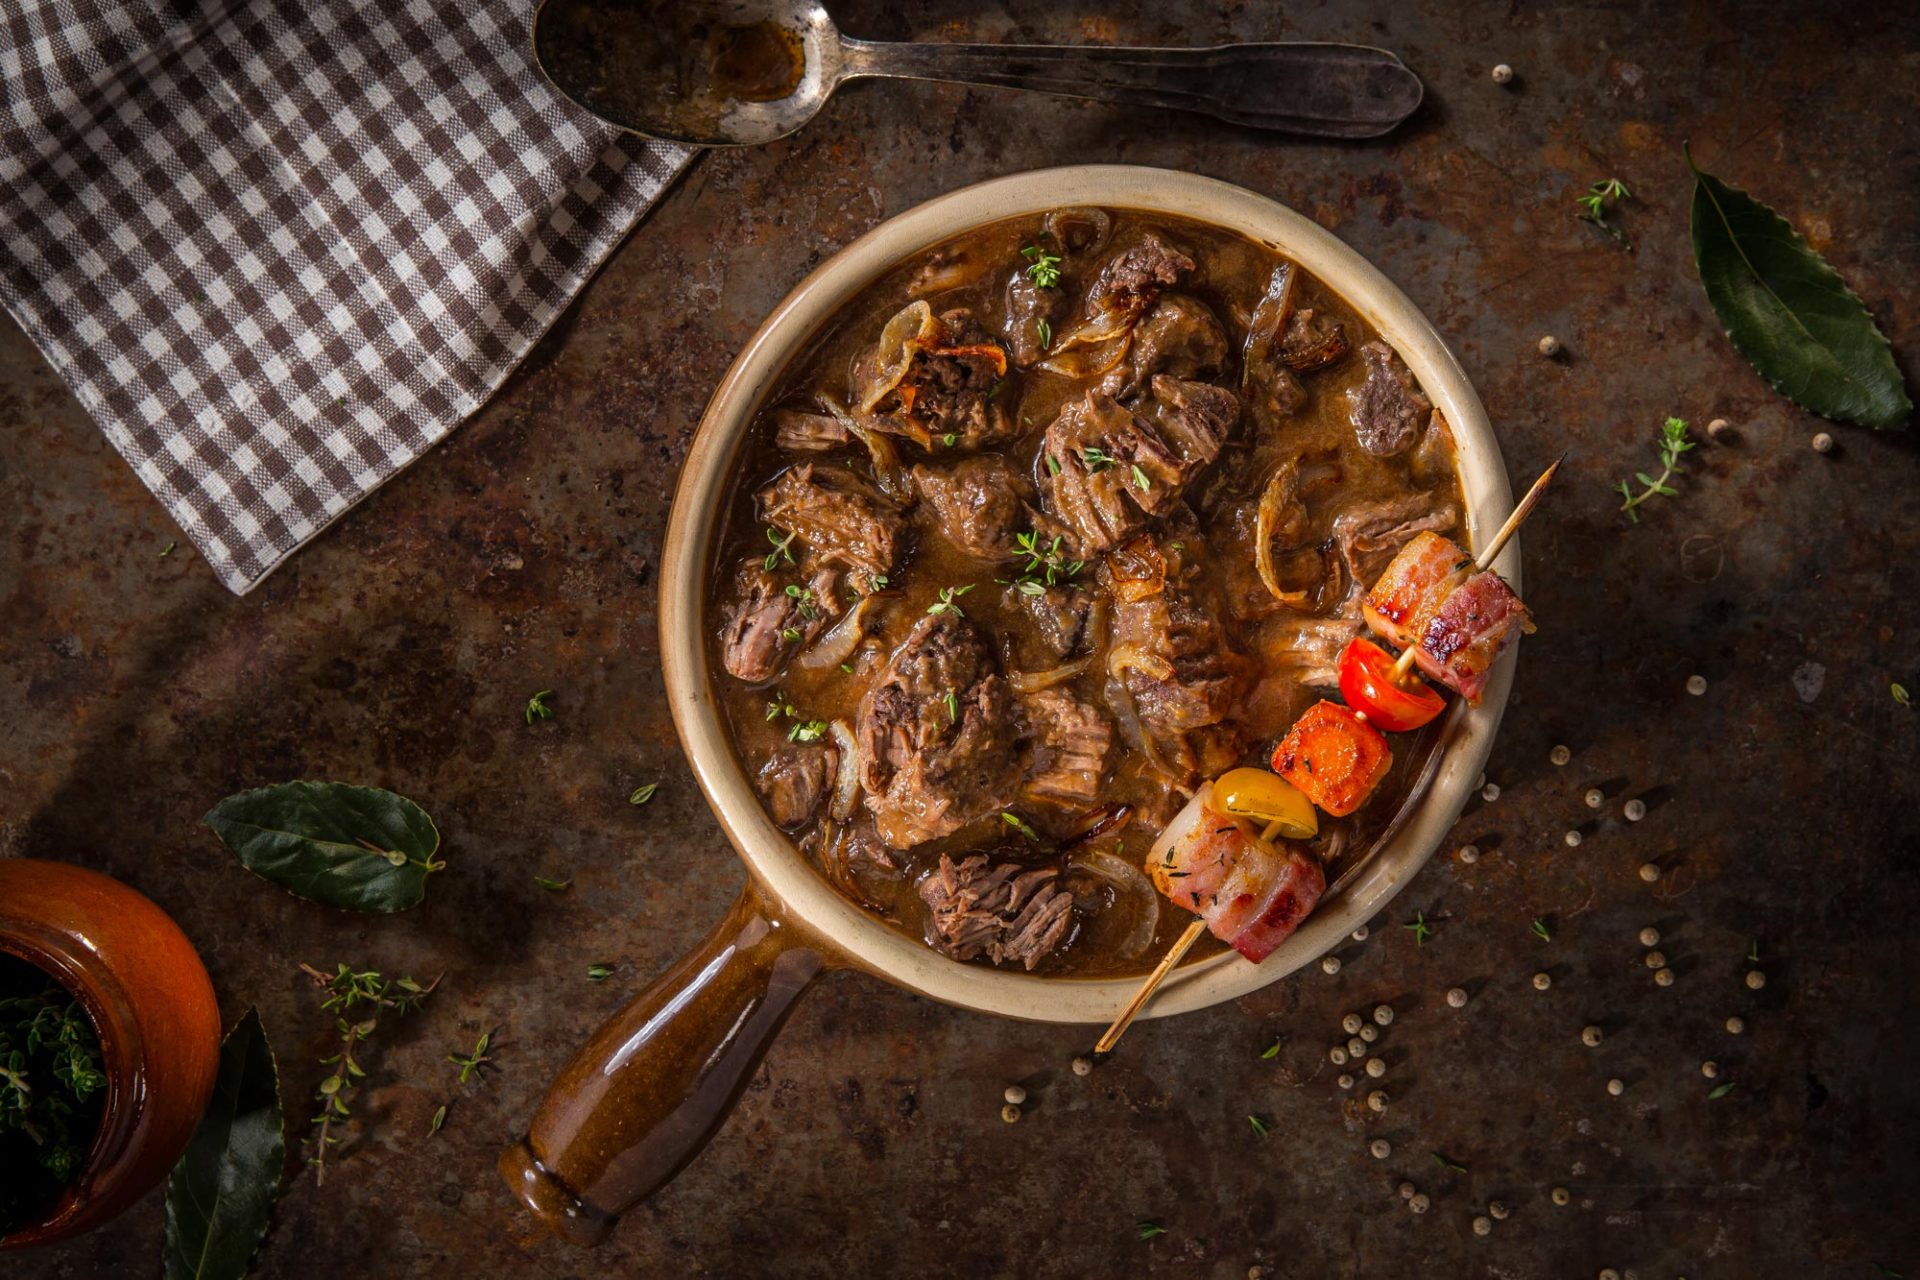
(1174,659)
(997,909)
(1387,409)
(801,432)
(753,620)
(1312,342)
(1028,307)
(1058,614)
(1072,748)
(841,519)
(1179,336)
(939,734)
(793,780)
(949,390)
(1131,279)
(1107,470)
(978,503)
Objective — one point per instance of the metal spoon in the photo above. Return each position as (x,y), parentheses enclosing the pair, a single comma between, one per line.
(734,73)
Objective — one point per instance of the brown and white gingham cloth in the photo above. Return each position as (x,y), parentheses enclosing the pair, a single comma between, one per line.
(279,248)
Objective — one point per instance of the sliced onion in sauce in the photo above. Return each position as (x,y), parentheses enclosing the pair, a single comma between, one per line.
(1137,570)
(1123,658)
(1130,881)
(846,787)
(1182,826)
(1035,681)
(840,640)
(887,471)
(1283,488)
(1127,719)
(1089,359)
(1079,230)
(912,329)
(1269,321)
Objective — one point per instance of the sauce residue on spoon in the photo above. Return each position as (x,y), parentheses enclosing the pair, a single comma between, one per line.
(670,70)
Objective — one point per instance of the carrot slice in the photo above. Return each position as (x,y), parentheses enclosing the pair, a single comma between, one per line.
(1334,757)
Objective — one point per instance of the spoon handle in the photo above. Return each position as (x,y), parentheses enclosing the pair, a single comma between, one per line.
(1334,90)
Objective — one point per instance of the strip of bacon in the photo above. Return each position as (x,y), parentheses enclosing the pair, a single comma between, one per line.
(1461,640)
(1251,893)
(1414,586)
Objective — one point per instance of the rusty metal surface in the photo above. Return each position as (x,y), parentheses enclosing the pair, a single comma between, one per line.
(401,647)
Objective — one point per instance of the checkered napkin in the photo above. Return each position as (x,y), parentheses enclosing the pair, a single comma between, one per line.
(279,248)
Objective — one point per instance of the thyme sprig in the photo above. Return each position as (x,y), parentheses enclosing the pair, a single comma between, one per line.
(347,991)
(473,1065)
(1043,268)
(949,596)
(44,1035)
(537,708)
(1600,197)
(782,548)
(1673,443)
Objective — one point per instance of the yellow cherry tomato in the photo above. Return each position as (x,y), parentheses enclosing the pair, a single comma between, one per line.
(1268,798)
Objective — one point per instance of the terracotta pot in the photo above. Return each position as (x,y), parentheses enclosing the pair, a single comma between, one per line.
(148,996)
(652,1085)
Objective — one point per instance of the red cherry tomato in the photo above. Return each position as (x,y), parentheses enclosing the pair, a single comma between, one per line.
(1366,682)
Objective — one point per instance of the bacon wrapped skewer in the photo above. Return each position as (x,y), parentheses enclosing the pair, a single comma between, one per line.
(1251,893)
(1456,619)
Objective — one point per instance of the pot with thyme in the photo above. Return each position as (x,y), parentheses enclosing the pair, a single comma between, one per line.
(52,1091)
(109,1043)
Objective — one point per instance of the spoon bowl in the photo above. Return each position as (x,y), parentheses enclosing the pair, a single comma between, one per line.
(740,73)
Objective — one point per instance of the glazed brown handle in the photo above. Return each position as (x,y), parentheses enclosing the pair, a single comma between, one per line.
(651,1086)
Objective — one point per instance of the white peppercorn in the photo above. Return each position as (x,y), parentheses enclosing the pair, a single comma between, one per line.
(1823,443)
(1258,1272)
(1329,964)
(1663,978)
(1337,1055)
(1590,1036)
(1407,1190)
(1649,937)
(1383,1014)
(1345,1081)
(1710,1069)
(1377,1100)
(1376,1067)
(1380,1148)
(1456,997)
(1356,1048)
(1469,854)
(1483,1225)
(1549,346)
(1573,838)
(1595,798)
(1503,74)
(1010,1113)
(1360,934)
(1498,1210)
(1015,1094)
(1490,792)
(1542,981)
(1562,1196)
(1755,979)
(1616,1086)
(1608,1273)
(1352,1023)
(1419,1203)
(1736,1025)
(1082,1066)
(1718,428)
(1369,1032)
(1634,810)
(1656,959)
(1696,685)
(1560,755)
(1649,871)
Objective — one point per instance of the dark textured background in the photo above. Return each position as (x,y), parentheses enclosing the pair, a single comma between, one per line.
(400,648)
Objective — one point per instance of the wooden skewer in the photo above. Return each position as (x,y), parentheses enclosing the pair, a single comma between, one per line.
(1490,551)
(1192,935)
(1125,1020)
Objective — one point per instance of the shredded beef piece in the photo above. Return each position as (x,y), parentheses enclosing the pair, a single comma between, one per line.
(1027,305)
(1387,409)
(1131,279)
(841,519)
(939,734)
(1178,337)
(978,503)
(996,909)
(1071,746)
(1058,614)
(952,393)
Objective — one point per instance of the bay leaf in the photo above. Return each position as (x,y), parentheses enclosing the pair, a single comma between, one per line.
(358,848)
(1790,313)
(223,1188)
